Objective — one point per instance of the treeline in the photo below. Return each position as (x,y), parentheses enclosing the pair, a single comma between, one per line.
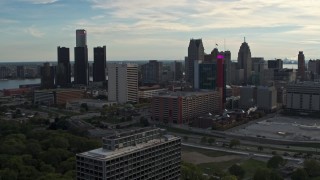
(30,152)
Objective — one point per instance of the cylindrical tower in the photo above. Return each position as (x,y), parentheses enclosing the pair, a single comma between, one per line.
(81,38)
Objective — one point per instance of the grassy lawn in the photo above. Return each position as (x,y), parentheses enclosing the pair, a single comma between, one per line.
(250,166)
(221,168)
(216,168)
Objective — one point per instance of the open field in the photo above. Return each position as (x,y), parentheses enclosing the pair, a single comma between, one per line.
(215,163)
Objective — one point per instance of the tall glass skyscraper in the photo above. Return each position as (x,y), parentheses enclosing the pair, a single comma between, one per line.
(81,71)
(63,72)
(99,64)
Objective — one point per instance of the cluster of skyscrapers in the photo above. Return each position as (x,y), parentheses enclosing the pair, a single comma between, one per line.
(61,75)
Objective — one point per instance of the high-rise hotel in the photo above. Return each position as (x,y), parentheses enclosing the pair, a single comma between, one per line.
(81,70)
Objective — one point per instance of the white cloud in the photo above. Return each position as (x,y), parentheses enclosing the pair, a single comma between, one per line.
(40,1)
(198,15)
(33,31)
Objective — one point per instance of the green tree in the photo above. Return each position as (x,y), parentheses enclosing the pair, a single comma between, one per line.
(46,168)
(261,174)
(52,176)
(230,177)
(275,176)
(60,142)
(54,156)
(191,172)
(237,171)
(84,106)
(28,173)
(185,138)
(8,174)
(144,121)
(67,165)
(211,140)
(34,148)
(234,143)
(275,162)
(312,167)
(204,140)
(299,174)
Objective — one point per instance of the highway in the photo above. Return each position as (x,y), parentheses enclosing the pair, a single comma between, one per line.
(298,160)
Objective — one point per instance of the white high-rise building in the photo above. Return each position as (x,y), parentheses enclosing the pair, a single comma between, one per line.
(123,82)
(133,154)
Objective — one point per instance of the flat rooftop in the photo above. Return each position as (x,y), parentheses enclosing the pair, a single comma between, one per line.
(104,154)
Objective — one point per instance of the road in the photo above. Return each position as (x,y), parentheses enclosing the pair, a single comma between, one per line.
(298,160)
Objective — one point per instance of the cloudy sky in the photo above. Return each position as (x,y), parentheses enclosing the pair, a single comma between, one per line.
(31,30)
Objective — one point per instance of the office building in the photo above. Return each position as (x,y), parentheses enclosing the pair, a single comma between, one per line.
(248,97)
(123,83)
(245,62)
(258,66)
(147,92)
(183,107)
(266,98)
(233,70)
(57,96)
(207,76)
(135,154)
(152,72)
(303,97)
(287,75)
(255,60)
(46,97)
(211,76)
(195,53)
(275,64)
(177,69)
(20,72)
(99,64)
(314,69)
(81,66)
(301,66)
(212,57)
(17,91)
(4,72)
(47,76)
(63,71)
(228,62)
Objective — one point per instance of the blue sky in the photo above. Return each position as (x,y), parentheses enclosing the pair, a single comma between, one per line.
(31,30)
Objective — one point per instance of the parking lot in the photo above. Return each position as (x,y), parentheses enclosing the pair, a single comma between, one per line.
(283,127)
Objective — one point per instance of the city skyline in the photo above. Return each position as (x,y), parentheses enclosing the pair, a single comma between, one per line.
(273,29)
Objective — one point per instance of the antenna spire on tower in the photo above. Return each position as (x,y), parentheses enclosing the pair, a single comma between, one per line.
(244,39)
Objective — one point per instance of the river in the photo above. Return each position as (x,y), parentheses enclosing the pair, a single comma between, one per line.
(10,84)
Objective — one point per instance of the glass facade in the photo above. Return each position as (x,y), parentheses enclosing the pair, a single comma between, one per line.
(207,76)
